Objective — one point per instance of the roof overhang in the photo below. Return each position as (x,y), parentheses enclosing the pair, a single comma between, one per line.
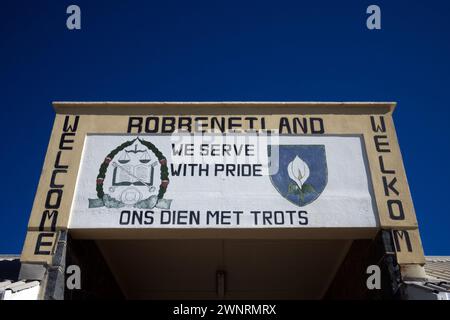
(218,107)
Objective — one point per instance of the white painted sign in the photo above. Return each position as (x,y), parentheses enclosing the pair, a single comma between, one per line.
(223,181)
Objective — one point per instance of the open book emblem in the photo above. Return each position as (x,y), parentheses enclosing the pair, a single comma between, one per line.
(133,174)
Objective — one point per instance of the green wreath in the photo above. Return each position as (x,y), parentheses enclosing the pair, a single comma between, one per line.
(161,158)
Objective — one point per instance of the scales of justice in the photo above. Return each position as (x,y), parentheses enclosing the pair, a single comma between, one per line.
(133,177)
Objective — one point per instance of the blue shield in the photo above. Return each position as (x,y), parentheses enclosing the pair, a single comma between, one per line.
(298,172)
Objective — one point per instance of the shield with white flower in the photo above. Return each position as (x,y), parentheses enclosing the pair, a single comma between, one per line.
(298,172)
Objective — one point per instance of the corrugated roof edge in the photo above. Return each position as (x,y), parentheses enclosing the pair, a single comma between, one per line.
(19,285)
(9,257)
(438,258)
(318,107)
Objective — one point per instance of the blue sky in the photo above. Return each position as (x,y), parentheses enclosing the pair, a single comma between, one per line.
(226,50)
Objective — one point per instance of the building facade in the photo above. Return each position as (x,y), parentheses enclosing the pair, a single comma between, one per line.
(223,200)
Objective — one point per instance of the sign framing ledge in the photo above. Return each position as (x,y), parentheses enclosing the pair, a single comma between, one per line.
(76,120)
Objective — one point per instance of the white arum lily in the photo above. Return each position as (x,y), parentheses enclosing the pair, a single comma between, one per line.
(298,171)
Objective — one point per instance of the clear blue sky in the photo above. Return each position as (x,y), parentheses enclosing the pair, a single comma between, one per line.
(227,50)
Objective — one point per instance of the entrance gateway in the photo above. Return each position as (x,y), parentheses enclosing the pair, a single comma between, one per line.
(222,200)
